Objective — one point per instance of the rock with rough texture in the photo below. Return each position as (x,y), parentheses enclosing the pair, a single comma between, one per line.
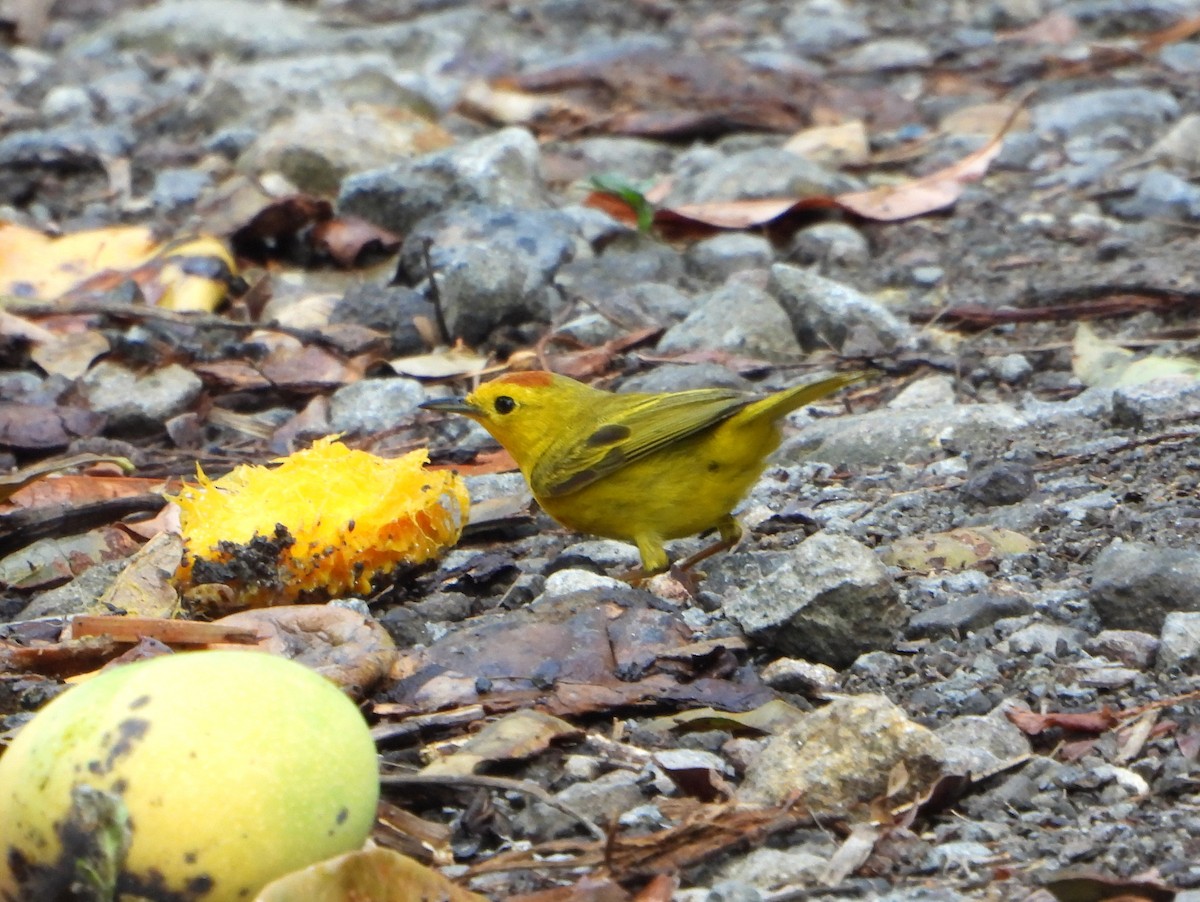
(498,170)
(795,675)
(1130,647)
(236,28)
(840,759)
(1052,639)
(391,309)
(931,391)
(739,318)
(1162,195)
(493,266)
(764,172)
(979,745)
(136,402)
(825,314)
(1135,585)
(1004,482)
(602,800)
(716,259)
(1179,644)
(374,405)
(316,148)
(828,245)
(1089,111)
(1163,400)
(888,53)
(827,600)
(882,436)
(963,615)
(1180,146)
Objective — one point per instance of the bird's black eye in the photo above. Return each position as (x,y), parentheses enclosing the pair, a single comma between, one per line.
(505,404)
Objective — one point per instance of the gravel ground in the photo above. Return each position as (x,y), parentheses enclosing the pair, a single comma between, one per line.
(191,115)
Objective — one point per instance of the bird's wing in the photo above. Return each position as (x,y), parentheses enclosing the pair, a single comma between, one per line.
(630,432)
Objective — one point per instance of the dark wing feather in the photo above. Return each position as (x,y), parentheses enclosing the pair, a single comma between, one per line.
(630,432)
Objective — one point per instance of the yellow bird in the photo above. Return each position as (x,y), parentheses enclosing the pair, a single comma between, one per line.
(640,468)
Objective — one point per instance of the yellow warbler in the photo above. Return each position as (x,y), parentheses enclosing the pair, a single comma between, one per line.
(641,468)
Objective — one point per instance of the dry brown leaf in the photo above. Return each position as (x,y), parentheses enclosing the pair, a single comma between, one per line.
(349,648)
(513,737)
(379,875)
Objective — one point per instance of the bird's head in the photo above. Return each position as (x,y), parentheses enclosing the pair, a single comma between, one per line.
(524,412)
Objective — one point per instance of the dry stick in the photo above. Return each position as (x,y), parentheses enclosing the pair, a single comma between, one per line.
(494,783)
(21,307)
(435,294)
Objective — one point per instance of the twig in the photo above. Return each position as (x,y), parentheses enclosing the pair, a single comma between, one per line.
(435,293)
(523,786)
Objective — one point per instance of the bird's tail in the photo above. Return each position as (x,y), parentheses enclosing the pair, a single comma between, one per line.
(783,402)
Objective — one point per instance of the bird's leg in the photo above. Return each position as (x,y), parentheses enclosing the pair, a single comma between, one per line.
(654,560)
(731,533)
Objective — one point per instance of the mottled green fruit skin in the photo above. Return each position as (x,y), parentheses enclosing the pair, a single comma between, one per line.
(235,766)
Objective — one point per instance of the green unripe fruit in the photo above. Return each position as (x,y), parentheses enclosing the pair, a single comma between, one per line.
(198,776)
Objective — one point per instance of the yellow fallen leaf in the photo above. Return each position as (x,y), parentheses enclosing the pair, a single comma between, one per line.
(957,549)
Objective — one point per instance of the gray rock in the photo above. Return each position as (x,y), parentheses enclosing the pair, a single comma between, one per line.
(830,245)
(67,104)
(1003,482)
(174,188)
(927,276)
(770,869)
(683,376)
(1180,146)
(391,309)
(1182,57)
(493,265)
(636,159)
(963,615)
(137,403)
(959,856)
(930,391)
(499,170)
(567,582)
(883,54)
(795,675)
(1011,368)
(1136,585)
(828,600)
(822,27)
(374,405)
(1052,639)
(1162,195)
(315,148)
(733,891)
(716,259)
(1179,643)
(607,554)
(1143,109)
(76,596)
(1167,399)
(1130,647)
(632,260)
(764,172)
(25,155)
(829,314)
(839,759)
(236,28)
(882,436)
(263,90)
(602,800)
(979,745)
(738,317)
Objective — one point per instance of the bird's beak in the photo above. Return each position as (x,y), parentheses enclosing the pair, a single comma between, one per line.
(452,405)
